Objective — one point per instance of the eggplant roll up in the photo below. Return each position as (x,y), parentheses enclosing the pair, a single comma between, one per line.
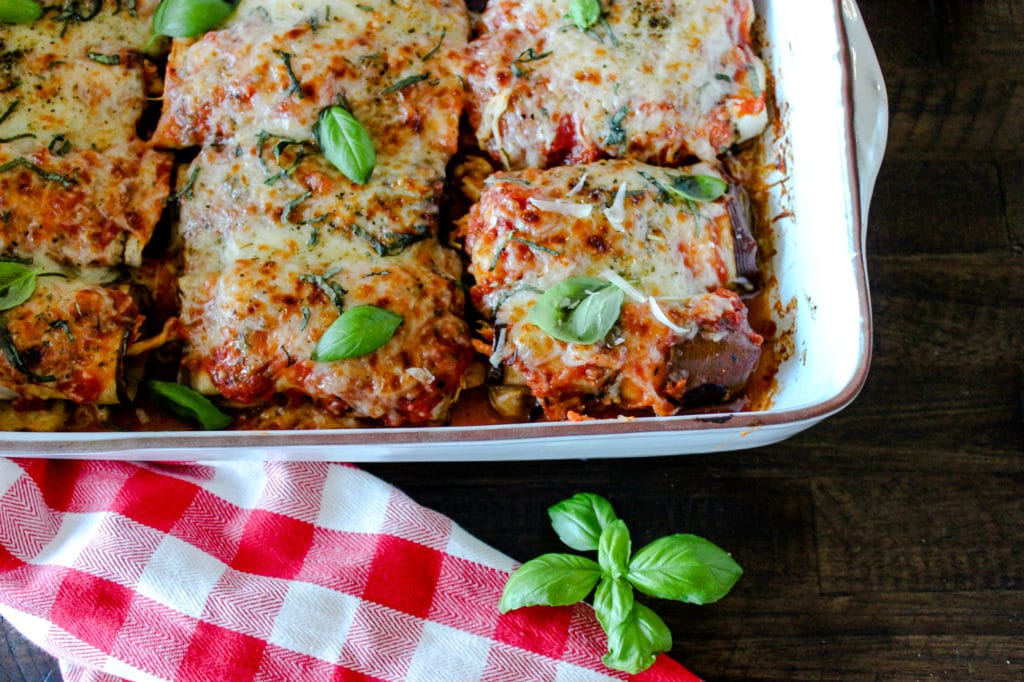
(654,81)
(289,254)
(608,286)
(68,341)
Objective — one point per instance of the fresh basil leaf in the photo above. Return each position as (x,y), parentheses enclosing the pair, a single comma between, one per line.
(578,310)
(684,567)
(654,633)
(189,18)
(345,143)
(584,13)
(358,331)
(579,520)
(17,282)
(19,11)
(613,548)
(550,580)
(699,188)
(189,404)
(635,643)
(596,314)
(613,602)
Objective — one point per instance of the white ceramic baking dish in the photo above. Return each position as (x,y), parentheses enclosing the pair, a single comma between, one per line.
(832,104)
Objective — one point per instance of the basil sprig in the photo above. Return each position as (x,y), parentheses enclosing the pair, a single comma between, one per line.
(584,13)
(189,18)
(345,143)
(358,331)
(17,282)
(189,404)
(19,11)
(578,310)
(681,567)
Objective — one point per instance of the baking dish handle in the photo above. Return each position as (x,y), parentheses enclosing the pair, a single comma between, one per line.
(870,105)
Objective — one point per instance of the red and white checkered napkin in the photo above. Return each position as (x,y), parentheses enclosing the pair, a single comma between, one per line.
(267,571)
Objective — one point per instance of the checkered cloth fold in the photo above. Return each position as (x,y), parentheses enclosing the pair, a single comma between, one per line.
(267,571)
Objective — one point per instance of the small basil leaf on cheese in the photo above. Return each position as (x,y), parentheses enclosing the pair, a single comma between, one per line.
(579,310)
(345,143)
(189,404)
(358,331)
(17,282)
(19,11)
(697,187)
(189,18)
(584,13)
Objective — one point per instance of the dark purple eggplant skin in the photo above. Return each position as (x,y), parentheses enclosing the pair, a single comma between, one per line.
(714,371)
(744,245)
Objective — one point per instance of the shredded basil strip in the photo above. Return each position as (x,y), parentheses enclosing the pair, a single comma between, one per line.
(433,51)
(14,358)
(189,404)
(392,243)
(17,282)
(526,56)
(107,59)
(20,11)
(584,13)
(611,33)
(578,310)
(73,12)
(9,110)
(278,149)
(535,246)
(291,205)
(616,133)
(345,143)
(186,191)
(64,327)
(189,18)
(296,87)
(530,55)
(404,83)
(332,290)
(52,176)
(59,145)
(357,332)
(132,9)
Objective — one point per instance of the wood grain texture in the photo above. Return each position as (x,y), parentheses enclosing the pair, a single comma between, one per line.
(886,543)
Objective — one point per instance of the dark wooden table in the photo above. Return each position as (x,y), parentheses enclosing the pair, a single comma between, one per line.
(887,542)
